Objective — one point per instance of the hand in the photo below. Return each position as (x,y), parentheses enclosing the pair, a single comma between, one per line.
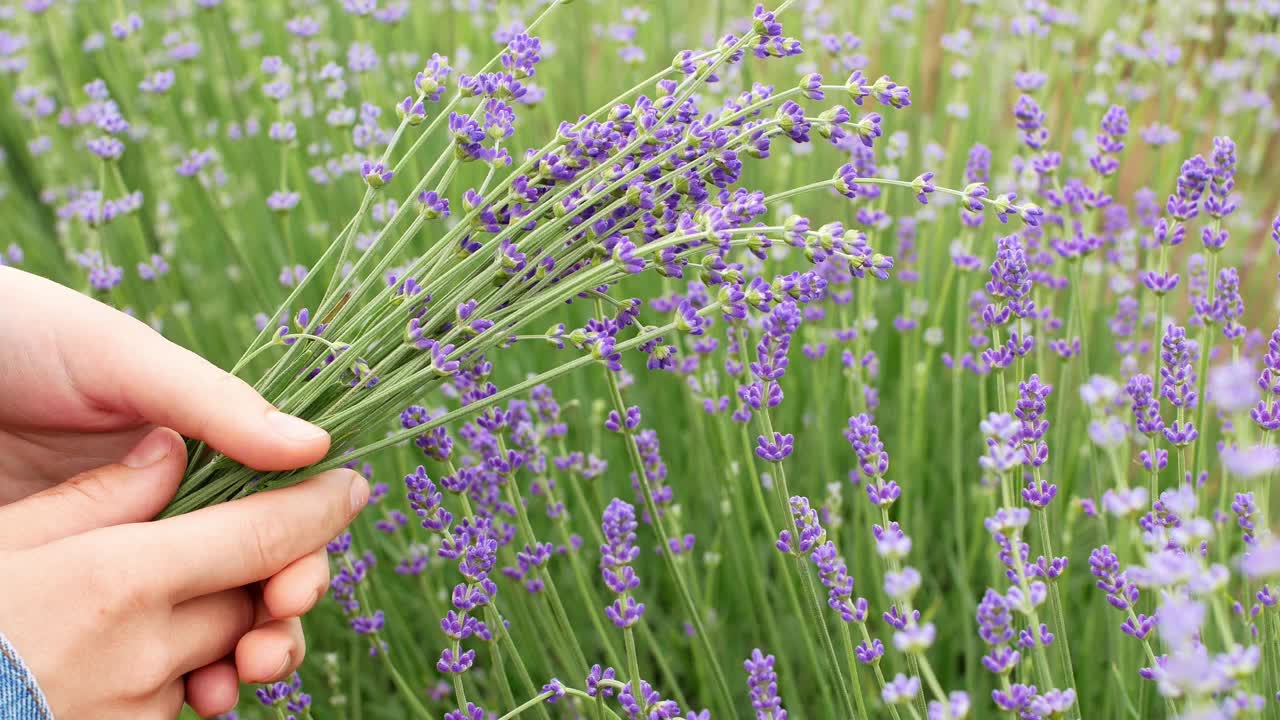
(110,616)
(83,385)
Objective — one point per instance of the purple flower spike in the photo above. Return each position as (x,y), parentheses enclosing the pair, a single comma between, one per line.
(1146,411)
(762,684)
(619,551)
(427,502)
(1266,414)
(864,437)
(1105,566)
(1010,284)
(806,532)
(1030,121)
(1030,410)
(1184,203)
(1177,373)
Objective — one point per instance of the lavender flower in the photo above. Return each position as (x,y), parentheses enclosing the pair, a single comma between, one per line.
(616,555)
(1032,427)
(473,545)
(1003,454)
(1178,382)
(1010,285)
(762,683)
(1266,414)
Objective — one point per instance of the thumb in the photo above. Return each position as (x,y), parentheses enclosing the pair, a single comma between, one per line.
(133,490)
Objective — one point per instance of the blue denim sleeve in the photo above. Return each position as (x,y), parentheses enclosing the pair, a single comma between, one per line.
(20,697)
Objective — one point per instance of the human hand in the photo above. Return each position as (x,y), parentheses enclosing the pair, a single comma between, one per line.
(122,618)
(83,384)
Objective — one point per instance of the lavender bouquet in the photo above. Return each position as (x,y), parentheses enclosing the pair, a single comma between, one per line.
(639,371)
(642,183)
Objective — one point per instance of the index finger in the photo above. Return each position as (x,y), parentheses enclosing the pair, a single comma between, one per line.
(251,539)
(134,372)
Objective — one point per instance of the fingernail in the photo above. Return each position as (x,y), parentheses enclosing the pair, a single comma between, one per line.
(294,428)
(155,447)
(279,673)
(359,493)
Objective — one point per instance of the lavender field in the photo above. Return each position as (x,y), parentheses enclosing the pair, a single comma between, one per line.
(816,359)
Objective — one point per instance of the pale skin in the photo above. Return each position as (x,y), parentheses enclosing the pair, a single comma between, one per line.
(119,616)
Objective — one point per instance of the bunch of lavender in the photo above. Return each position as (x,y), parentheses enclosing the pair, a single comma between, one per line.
(556,227)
